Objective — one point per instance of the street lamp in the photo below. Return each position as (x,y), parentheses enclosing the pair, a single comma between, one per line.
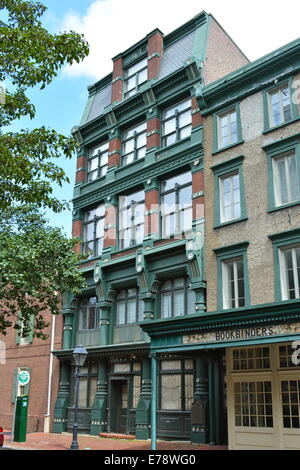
(79,356)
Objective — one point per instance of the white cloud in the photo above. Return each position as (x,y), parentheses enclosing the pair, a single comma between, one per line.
(111,26)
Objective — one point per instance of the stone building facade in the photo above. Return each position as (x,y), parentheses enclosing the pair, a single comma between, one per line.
(186,202)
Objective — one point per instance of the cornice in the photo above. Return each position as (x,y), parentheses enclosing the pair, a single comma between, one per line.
(157,168)
(264,314)
(250,78)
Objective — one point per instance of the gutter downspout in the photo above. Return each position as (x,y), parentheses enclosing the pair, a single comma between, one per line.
(48,415)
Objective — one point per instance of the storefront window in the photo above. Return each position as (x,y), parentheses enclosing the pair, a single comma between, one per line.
(286,353)
(87,386)
(290,393)
(251,358)
(253,404)
(177,385)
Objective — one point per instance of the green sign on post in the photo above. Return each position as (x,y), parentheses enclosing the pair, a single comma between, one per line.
(24,377)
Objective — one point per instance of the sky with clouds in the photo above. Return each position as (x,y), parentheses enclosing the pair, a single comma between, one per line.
(111,26)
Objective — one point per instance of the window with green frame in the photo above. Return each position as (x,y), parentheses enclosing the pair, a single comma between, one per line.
(227,128)
(284,172)
(176,123)
(233,280)
(130,309)
(135,75)
(230,205)
(93,231)
(131,219)
(89,314)
(176,389)
(287,264)
(176,205)
(279,106)
(23,338)
(87,386)
(176,298)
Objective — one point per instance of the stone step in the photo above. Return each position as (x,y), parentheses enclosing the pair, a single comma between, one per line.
(111,435)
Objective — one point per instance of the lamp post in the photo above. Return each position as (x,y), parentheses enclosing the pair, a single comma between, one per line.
(79,355)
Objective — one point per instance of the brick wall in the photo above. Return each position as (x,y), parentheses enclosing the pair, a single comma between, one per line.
(35,356)
(222,54)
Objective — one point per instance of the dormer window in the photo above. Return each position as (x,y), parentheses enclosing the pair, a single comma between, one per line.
(134,77)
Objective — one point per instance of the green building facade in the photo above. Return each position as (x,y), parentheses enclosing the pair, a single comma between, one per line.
(159,348)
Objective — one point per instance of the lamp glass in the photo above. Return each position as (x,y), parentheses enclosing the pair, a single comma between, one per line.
(79,355)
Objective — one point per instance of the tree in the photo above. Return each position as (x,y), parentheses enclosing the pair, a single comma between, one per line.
(30,56)
(37,262)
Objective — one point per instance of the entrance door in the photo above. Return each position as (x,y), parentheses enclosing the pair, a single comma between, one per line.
(119,406)
(123,425)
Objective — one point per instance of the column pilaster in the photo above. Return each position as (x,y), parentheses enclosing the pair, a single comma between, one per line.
(99,408)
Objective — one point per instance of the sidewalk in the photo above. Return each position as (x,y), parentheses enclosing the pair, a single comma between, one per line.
(41,441)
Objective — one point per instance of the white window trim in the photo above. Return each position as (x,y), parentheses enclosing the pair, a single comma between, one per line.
(276,179)
(221,192)
(225,283)
(283,273)
(220,136)
(270,109)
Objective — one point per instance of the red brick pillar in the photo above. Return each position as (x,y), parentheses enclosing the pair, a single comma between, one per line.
(155,52)
(197,119)
(117,80)
(153,130)
(81,168)
(77,228)
(114,153)
(198,190)
(151,231)
(110,229)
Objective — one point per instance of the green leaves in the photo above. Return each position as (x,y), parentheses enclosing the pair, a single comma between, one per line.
(31,56)
(37,263)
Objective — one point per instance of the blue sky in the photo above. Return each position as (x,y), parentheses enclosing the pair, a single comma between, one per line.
(111,26)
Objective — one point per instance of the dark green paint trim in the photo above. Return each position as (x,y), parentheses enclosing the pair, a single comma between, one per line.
(221,170)
(231,249)
(291,143)
(251,78)
(285,206)
(242,219)
(226,253)
(216,149)
(224,344)
(294,108)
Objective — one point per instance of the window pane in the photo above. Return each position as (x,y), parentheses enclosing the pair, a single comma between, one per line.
(171,392)
(169,126)
(136,390)
(131,311)
(93,389)
(189,391)
(166,308)
(179,308)
(121,313)
(82,399)
(185,119)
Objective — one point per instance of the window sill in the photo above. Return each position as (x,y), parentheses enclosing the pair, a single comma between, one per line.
(169,147)
(241,219)
(271,129)
(285,206)
(223,149)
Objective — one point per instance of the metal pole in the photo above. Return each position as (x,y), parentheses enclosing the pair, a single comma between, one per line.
(154,400)
(74,445)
